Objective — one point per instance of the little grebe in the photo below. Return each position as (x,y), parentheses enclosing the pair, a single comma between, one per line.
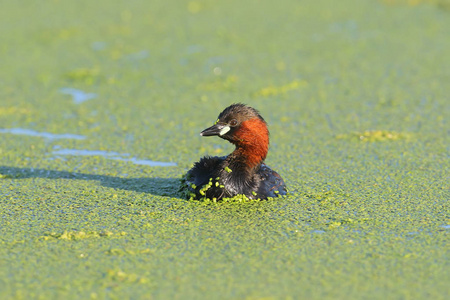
(242,172)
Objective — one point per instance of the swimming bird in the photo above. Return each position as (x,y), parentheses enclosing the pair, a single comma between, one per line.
(242,172)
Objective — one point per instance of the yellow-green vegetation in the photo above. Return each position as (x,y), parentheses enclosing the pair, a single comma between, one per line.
(12,110)
(122,277)
(417,2)
(85,75)
(219,84)
(283,89)
(375,136)
(205,187)
(367,214)
(72,236)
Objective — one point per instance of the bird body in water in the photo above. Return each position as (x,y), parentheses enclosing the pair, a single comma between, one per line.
(242,172)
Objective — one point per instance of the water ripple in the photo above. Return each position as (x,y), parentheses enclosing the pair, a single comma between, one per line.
(47,135)
(78,96)
(114,156)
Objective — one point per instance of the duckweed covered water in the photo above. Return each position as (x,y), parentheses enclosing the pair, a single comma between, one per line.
(356,96)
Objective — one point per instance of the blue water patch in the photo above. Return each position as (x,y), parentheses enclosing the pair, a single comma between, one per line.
(78,96)
(99,46)
(114,156)
(52,136)
(194,49)
(446,226)
(138,55)
(148,162)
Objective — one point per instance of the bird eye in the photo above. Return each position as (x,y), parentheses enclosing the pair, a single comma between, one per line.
(233,122)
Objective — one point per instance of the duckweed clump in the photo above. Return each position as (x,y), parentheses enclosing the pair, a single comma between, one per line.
(188,192)
(375,136)
(80,235)
(87,76)
(227,169)
(283,89)
(206,187)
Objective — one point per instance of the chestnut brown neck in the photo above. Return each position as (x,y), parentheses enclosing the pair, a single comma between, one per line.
(252,143)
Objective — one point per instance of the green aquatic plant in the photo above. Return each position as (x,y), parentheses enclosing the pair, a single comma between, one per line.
(87,76)
(188,192)
(282,89)
(375,136)
(80,235)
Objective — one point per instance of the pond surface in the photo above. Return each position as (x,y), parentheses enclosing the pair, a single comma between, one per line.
(356,97)
(112,155)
